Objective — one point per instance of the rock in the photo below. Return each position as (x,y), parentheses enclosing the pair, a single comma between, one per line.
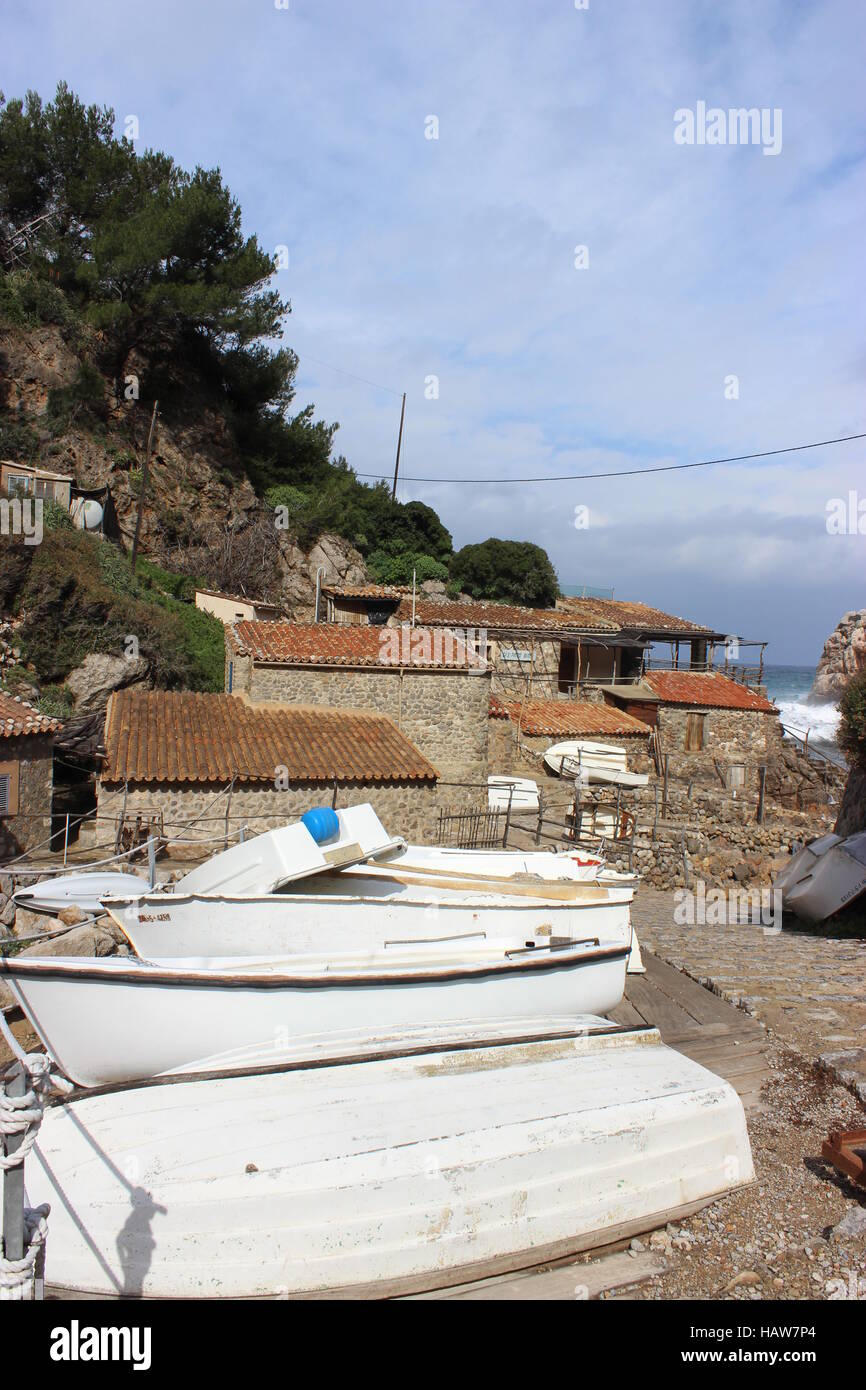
(78,941)
(843,656)
(852,1226)
(71,916)
(99,675)
(745,1279)
(29,923)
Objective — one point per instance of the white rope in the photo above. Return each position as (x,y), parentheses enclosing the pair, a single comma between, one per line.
(22,1115)
(16,1276)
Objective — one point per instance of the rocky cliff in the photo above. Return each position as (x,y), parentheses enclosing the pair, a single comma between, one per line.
(843,656)
(201,515)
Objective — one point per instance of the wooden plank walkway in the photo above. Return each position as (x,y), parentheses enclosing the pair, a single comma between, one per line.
(699,1024)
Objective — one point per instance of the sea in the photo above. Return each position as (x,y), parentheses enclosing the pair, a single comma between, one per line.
(788,687)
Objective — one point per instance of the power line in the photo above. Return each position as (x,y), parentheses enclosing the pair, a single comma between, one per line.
(307,357)
(630,472)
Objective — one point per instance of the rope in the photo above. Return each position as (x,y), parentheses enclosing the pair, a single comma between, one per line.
(22,1115)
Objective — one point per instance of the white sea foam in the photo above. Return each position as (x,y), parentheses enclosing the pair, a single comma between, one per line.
(821,721)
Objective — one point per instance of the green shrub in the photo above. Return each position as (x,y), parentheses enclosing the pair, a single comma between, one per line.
(506,571)
(851,737)
(398,568)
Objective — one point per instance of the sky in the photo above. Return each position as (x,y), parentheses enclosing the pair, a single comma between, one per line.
(432,170)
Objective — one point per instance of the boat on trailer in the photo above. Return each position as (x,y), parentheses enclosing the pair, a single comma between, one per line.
(385,1165)
(110,1019)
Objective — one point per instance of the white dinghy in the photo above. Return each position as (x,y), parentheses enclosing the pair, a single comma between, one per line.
(594,762)
(377,914)
(83,890)
(824,876)
(434,1161)
(106,1020)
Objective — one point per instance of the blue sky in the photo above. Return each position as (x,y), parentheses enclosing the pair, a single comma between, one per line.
(454,258)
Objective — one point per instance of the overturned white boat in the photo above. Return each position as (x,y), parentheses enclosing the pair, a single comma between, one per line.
(438,1159)
(84,890)
(824,876)
(593,762)
(111,1019)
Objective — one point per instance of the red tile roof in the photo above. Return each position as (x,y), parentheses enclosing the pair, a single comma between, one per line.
(332,644)
(705,688)
(572,717)
(389,591)
(631,617)
(180,736)
(501,616)
(17,719)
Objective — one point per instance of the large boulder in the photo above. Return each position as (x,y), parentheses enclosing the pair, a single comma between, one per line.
(99,675)
(843,656)
(84,940)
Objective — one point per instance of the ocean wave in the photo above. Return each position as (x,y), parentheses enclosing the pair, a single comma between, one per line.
(821,721)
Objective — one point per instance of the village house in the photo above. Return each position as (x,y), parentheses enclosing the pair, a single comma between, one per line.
(233,608)
(433,688)
(531,651)
(704,722)
(358,604)
(91,509)
(26,776)
(174,757)
(521,731)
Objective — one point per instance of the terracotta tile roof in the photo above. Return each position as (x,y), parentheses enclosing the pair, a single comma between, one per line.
(572,717)
(17,718)
(389,591)
(501,616)
(709,689)
(332,644)
(631,617)
(180,736)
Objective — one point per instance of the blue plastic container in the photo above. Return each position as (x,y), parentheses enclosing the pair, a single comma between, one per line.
(322,823)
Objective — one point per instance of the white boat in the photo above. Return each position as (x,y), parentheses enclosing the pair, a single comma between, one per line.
(594,762)
(824,876)
(109,1019)
(436,1161)
(83,890)
(375,913)
(518,793)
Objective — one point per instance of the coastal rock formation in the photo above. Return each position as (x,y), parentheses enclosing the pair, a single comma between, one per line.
(852,812)
(99,675)
(843,656)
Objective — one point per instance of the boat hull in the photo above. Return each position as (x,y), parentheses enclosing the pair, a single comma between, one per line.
(167,926)
(383,1177)
(112,1020)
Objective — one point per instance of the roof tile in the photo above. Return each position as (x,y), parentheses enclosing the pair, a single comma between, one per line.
(332,644)
(182,736)
(708,688)
(17,718)
(502,616)
(573,717)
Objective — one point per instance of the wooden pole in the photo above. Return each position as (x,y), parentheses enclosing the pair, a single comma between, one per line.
(143,489)
(399,443)
(13,1178)
(761,785)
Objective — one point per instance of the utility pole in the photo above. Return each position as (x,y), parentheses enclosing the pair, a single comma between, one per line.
(399,442)
(143,489)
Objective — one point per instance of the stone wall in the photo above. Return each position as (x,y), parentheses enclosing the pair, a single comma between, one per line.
(409,809)
(31,825)
(444,713)
(533,668)
(527,759)
(748,738)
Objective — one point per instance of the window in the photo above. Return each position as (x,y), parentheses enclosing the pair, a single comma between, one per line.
(8,789)
(19,485)
(694,732)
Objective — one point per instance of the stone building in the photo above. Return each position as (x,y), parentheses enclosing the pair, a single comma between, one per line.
(522,731)
(435,690)
(26,776)
(534,652)
(705,723)
(225,763)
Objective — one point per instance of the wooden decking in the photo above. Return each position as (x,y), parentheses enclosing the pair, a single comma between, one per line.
(699,1024)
